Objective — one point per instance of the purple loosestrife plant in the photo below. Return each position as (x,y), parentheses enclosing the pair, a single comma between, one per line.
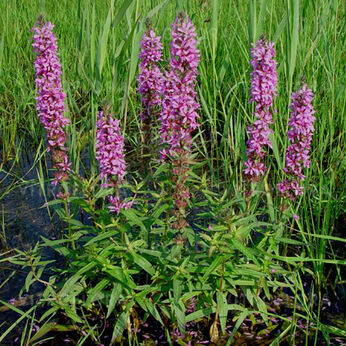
(299,135)
(179,110)
(150,81)
(263,88)
(51,99)
(110,154)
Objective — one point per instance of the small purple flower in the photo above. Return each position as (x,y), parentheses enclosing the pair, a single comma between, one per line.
(263,89)
(35,328)
(300,135)
(51,98)
(191,306)
(110,154)
(117,204)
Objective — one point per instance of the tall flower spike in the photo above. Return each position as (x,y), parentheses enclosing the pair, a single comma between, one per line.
(150,78)
(179,110)
(110,154)
(299,135)
(51,99)
(263,89)
(150,81)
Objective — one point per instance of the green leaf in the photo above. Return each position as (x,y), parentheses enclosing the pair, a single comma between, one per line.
(116,291)
(156,214)
(223,309)
(46,328)
(28,281)
(120,275)
(275,150)
(200,314)
(244,250)
(122,12)
(280,28)
(72,314)
(94,293)
(132,216)
(26,314)
(102,236)
(180,315)
(102,47)
(240,320)
(177,290)
(217,261)
(153,311)
(143,263)
(120,325)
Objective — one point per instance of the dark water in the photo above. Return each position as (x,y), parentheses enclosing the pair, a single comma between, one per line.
(23,221)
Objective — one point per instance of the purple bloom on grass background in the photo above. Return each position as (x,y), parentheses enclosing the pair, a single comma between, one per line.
(110,149)
(51,98)
(150,78)
(150,83)
(263,89)
(179,111)
(179,107)
(300,134)
(110,154)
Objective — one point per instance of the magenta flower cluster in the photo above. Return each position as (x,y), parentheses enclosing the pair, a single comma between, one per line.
(51,99)
(179,114)
(263,89)
(179,107)
(150,78)
(301,124)
(110,154)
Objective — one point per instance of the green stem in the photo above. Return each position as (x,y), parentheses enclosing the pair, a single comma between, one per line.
(68,218)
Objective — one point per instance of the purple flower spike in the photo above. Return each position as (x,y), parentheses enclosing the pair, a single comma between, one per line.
(263,89)
(51,99)
(110,154)
(150,83)
(299,135)
(179,111)
(150,78)
(179,108)
(110,149)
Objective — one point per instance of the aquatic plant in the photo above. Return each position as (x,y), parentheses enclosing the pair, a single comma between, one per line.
(263,89)
(51,98)
(247,273)
(179,110)
(301,124)
(110,154)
